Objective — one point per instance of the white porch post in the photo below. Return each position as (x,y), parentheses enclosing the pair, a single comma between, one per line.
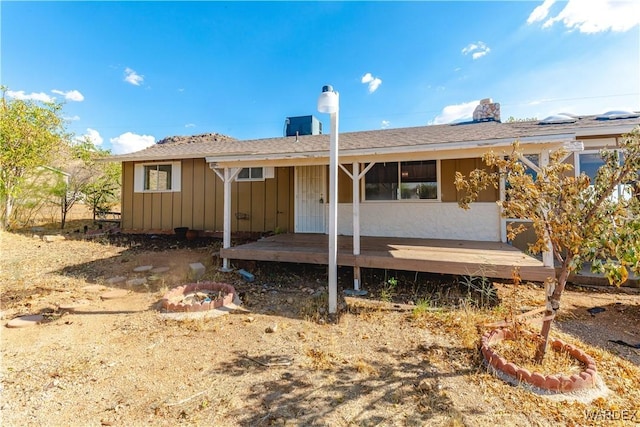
(503,220)
(227,177)
(355,179)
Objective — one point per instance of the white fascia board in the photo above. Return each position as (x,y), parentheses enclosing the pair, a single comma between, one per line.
(247,160)
(607,130)
(256,160)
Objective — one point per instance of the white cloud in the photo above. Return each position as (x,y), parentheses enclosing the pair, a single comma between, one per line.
(540,12)
(92,135)
(130,76)
(129,142)
(477,50)
(73,118)
(455,113)
(72,95)
(385,124)
(190,125)
(20,94)
(593,16)
(373,82)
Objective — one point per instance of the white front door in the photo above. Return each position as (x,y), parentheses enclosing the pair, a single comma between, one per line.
(310,196)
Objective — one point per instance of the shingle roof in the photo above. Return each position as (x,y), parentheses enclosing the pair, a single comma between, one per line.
(471,134)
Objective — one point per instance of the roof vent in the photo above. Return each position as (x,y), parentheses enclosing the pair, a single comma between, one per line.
(558,119)
(618,114)
(487,111)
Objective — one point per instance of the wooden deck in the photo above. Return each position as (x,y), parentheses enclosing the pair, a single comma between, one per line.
(459,257)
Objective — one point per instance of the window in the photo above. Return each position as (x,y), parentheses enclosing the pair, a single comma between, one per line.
(590,162)
(402,180)
(535,159)
(251,174)
(157,177)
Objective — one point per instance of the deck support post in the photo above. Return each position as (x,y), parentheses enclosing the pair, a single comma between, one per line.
(227,176)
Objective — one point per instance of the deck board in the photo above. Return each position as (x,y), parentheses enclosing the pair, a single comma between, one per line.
(459,257)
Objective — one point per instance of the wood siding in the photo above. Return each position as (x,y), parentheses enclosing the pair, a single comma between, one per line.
(464,166)
(256,206)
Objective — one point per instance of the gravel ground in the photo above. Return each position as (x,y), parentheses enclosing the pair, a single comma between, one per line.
(281,360)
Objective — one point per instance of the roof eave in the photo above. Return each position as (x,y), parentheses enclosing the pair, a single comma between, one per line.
(555,139)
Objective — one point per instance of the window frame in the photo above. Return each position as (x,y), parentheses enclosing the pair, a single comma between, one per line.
(399,182)
(251,178)
(140,177)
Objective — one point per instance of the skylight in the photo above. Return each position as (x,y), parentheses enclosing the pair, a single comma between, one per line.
(618,114)
(558,119)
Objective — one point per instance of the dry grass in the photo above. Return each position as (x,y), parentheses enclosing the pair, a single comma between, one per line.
(522,349)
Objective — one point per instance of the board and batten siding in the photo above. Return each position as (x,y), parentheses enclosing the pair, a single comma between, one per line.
(257,206)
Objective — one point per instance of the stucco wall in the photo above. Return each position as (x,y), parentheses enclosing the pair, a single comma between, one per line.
(423,220)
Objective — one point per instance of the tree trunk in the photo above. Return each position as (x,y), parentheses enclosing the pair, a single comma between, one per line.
(553,304)
(8,211)
(63,213)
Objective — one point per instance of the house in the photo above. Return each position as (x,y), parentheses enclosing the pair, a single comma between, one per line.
(403,186)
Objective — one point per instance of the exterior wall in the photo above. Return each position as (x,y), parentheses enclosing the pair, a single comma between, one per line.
(423,220)
(464,166)
(257,206)
(268,206)
(448,192)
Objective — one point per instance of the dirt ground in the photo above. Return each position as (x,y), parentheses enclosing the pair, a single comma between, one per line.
(280,360)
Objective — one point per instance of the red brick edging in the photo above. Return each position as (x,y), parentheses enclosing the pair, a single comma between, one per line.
(554,383)
(171,301)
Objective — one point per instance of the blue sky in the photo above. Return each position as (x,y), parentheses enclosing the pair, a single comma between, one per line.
(131,73)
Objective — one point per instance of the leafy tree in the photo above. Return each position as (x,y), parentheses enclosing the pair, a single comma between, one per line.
(102,190)
(512,119)
(30,134)
(583,221)
(87,179)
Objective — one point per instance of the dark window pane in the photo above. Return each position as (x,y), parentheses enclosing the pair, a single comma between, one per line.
(419,180)
(256,173)
(381,182)
(590,163)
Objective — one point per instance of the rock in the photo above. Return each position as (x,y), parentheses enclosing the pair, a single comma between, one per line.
(114,280)
(160,270)
(137,282)
(143,268)
(25,321)
(271,328)
(53,238)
